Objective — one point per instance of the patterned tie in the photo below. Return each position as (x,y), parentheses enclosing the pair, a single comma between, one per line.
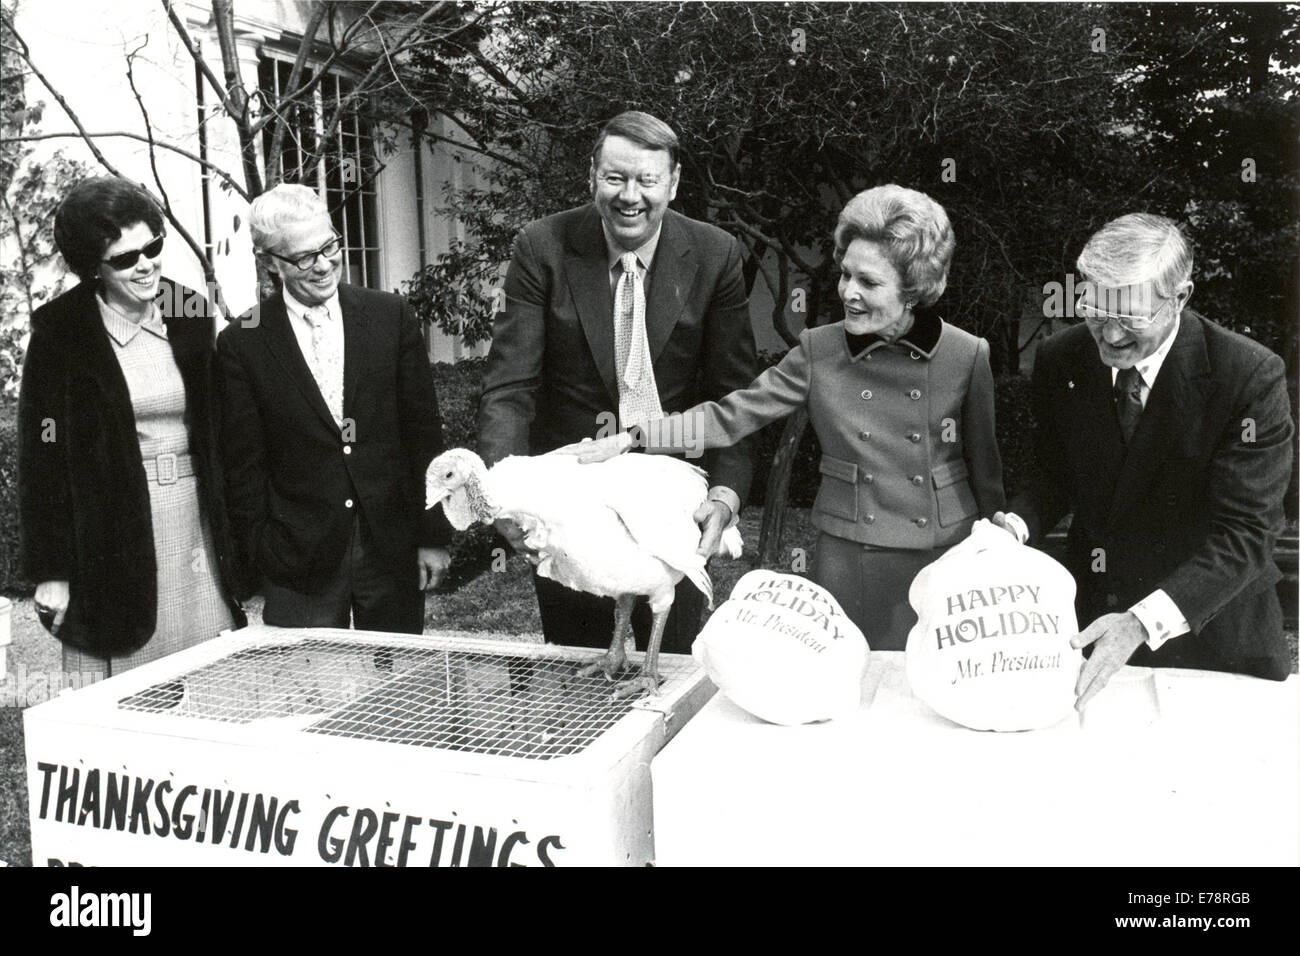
(638,395)
(326,362)
(1128,401)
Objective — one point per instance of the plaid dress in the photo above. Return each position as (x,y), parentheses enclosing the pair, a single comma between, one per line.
(191,608)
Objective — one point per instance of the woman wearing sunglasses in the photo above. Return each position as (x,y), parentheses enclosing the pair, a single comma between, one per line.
(121,519)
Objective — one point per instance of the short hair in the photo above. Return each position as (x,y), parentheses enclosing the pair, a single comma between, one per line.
(914,231)
(1136,248)
(642,129)
(277,207)
(93,216)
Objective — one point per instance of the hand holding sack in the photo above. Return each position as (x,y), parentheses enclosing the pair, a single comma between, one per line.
(783,649)
(991,646)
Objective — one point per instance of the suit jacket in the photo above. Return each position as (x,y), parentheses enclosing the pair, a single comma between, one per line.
(909,455)
(295,480)
(84,514)
(550,376)
(1194,505)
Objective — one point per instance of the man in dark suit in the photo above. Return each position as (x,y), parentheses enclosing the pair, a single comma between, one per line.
(329,419)
(1169,437)
(615,313)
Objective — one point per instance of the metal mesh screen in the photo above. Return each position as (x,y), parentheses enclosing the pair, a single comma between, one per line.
(522,706)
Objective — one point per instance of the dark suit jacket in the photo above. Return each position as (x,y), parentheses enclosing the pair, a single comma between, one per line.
(550,376)
(1193,507)
(84,513)
(291,471)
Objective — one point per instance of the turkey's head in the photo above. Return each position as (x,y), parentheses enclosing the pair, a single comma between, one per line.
(456,478)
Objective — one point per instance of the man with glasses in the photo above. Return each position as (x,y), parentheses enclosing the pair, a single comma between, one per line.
(1169,438)
(329,421)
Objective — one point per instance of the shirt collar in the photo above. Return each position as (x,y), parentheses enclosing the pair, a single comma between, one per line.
(1150,366)
(921,338)
(645,252)
(298,312)
(123,330)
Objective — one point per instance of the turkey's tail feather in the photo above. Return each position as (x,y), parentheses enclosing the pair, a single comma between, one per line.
(700,578)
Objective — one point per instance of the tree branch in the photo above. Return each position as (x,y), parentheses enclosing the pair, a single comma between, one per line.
(224,176)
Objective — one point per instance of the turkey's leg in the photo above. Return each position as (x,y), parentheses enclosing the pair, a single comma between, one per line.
(614,660)
(648,680)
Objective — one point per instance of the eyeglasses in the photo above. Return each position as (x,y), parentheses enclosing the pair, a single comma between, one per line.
(1129,323)
(308,259)
(127,260)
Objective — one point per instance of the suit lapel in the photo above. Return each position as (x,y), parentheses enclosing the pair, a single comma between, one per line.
(1099,441)
(89,340)
(282,344)
(357,339)
(1177,397)
(670,281)
(587,270)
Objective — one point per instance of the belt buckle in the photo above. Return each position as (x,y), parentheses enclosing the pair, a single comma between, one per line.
(166,469)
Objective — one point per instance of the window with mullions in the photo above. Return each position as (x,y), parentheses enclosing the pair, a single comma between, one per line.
(338,162)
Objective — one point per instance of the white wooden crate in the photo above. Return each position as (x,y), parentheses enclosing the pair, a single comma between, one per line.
(287,746)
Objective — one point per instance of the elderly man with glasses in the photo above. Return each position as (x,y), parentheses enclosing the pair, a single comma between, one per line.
(1169,437)
(329,421)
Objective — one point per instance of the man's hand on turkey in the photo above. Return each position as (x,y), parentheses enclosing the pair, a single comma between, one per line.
(590,451)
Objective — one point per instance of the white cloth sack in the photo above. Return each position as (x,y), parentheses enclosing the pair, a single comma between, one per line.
(782,648)
(991,646)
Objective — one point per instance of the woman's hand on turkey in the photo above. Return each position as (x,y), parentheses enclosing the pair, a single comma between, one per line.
(589,451)
(51,604)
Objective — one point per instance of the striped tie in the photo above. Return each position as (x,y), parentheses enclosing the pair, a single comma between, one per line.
(638,395)
(326,362)
(1128,401)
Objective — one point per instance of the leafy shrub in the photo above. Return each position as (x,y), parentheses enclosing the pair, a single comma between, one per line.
(10,580)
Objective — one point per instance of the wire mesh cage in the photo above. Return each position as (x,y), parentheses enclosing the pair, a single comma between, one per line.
(538,705)
(282,746)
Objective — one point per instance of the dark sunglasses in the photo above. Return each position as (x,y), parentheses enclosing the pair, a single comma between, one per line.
(127,260)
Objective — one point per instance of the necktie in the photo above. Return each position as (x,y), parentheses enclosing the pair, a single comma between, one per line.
(638,395)
(1128,401)
(326,362)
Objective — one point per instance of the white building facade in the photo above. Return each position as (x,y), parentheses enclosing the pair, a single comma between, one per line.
(383,188)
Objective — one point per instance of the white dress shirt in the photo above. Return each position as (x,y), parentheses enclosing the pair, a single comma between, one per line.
(645,257)
(332,337)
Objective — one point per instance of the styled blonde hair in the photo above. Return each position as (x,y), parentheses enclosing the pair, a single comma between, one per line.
(914,231)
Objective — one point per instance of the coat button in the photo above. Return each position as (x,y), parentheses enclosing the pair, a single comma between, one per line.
(347,449)
(914,437)
(915,356)
(348,503)
(922,522)
(866,394)
(864,435)
(916,480)
(868,478)
(914,394)
(869,519)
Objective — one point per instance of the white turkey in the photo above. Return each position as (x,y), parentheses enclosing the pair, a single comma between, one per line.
(619,528)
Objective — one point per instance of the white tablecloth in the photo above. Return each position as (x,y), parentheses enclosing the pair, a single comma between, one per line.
(1166,768)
